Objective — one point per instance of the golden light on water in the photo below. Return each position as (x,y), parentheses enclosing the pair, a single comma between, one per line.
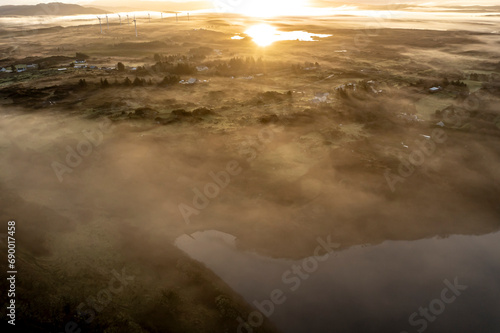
(265,35)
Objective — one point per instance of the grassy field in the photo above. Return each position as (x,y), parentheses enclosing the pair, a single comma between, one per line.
(320,136)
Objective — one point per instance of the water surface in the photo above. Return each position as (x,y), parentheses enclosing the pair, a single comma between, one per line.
(366,288)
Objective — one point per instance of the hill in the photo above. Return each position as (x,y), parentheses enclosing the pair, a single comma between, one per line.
(53,9)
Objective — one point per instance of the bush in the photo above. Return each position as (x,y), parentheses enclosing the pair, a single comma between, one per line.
(170,80)
(81,56)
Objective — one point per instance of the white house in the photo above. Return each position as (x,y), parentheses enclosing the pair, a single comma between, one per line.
(21,68)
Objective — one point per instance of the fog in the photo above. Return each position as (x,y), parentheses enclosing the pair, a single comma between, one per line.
(199,171)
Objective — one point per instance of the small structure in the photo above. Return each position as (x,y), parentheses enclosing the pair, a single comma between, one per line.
(321,98)
(202,68)
(32,66)
(435,89)
(190,81)
(21,68)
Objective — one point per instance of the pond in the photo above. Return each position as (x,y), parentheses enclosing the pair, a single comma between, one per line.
(432,285)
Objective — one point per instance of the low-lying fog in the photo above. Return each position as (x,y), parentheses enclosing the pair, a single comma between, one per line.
(60,173)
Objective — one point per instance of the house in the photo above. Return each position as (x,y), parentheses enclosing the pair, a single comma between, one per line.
(190,81)
(80,61)
(21,68)
(202,68)
(32,66)
(435,89)
(3,70)
(320,98)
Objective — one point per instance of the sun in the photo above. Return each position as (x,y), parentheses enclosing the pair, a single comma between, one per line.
(263,34)
(269,8)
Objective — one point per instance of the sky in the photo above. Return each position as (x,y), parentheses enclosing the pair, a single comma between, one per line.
(273,2)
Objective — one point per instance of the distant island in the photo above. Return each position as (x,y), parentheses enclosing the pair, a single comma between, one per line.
(52,9)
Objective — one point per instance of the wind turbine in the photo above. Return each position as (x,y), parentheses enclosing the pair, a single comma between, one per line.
(120,19)
(149,16)
(188,17)
(176,17)
(107,21)
(100,23)
(127,20)
(162,16)
(135,23)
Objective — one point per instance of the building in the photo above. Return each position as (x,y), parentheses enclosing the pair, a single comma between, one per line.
(21,68)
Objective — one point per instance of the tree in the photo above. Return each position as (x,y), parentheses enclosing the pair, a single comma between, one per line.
(81,56)
(170,79)
(127,82)
(138,82)
(104,83)
(121,67)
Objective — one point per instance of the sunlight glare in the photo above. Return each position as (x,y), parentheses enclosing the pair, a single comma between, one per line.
(265,35)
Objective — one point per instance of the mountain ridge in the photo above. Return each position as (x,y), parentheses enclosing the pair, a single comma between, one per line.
(48,9)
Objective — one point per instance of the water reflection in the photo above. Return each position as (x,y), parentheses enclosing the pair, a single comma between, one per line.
(367,289)
(265,35)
